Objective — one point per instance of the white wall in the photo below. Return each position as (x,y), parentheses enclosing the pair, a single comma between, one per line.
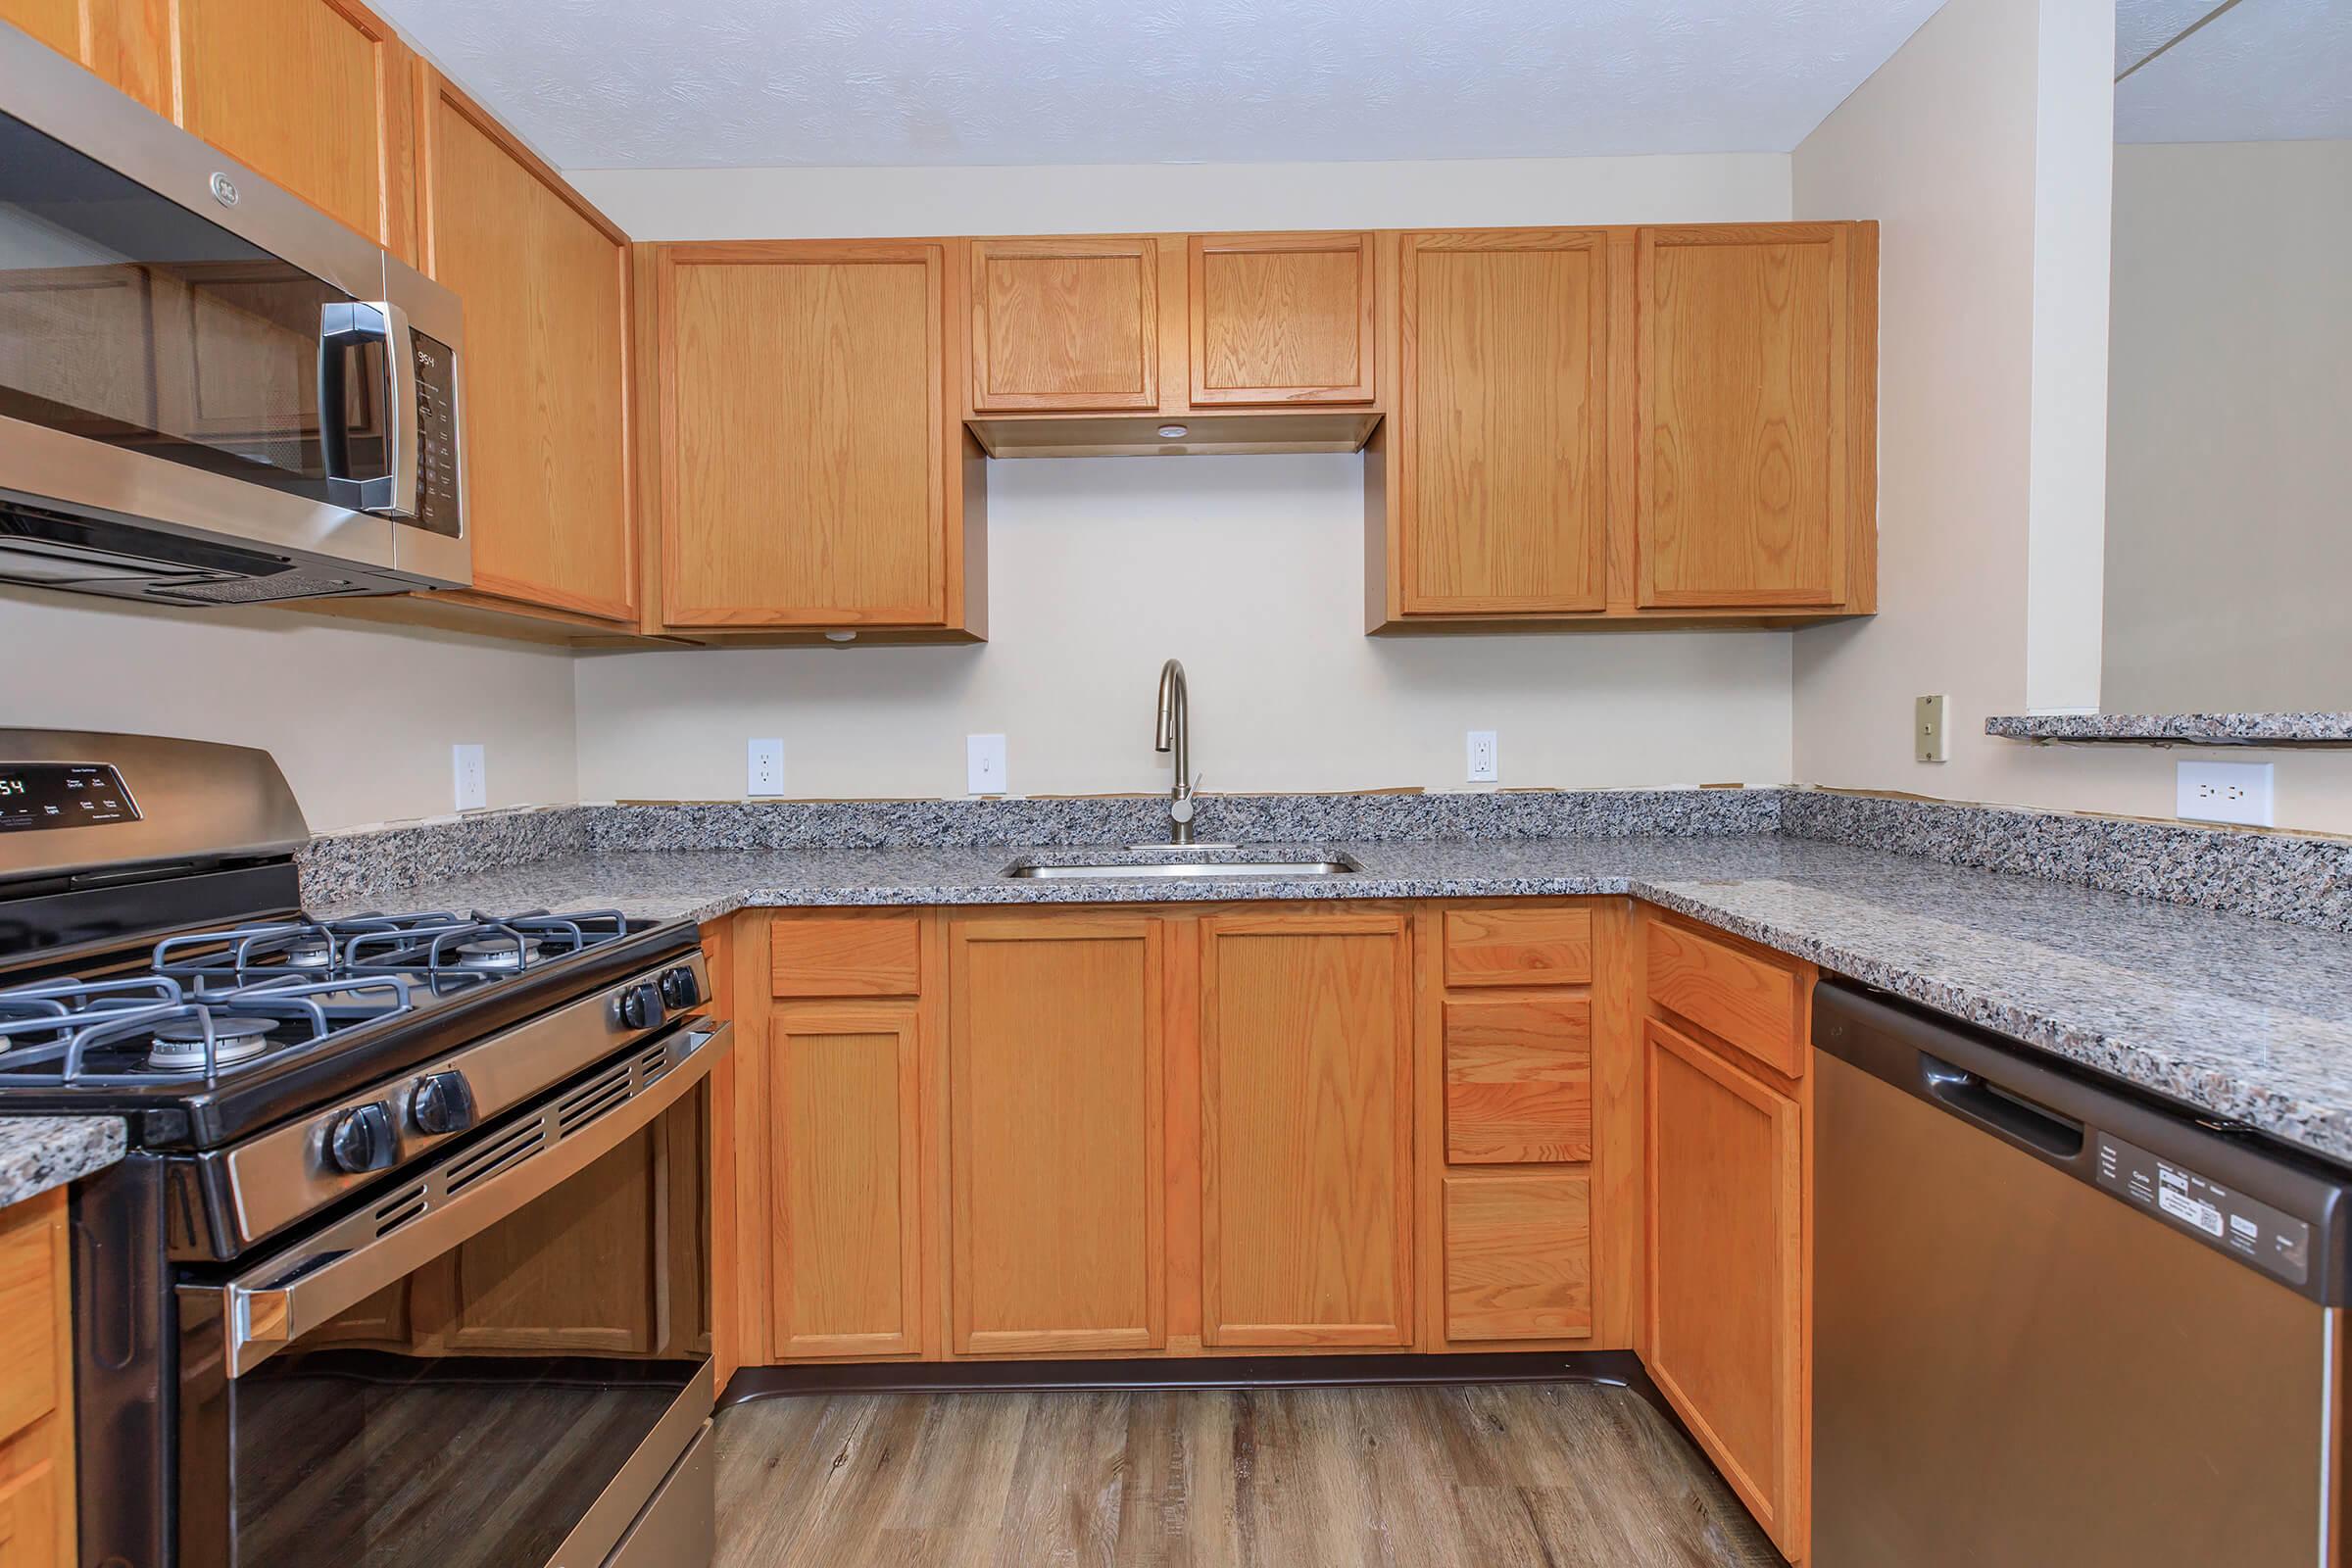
(362,719)
(2229,458)
(1251,570)
(1957,147)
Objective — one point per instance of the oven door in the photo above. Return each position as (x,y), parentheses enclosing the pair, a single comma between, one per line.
(498,1360)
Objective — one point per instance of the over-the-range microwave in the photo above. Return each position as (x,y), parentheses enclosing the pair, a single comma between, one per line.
(210,393)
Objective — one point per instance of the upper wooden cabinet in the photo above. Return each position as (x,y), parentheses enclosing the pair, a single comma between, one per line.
(123,41)
(811,472)
(1283,319)
(545,281)
(312,94)
(1065,324)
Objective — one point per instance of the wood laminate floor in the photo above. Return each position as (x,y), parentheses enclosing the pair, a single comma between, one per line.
(1560,1475)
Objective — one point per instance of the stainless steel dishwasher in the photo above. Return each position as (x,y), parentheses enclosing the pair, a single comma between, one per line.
(2054,1324)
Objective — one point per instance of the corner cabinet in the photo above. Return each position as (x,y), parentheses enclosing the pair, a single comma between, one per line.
(812,476)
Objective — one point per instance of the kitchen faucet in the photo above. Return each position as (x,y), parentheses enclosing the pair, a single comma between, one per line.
(1174,733)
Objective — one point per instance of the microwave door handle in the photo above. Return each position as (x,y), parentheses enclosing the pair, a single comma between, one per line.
(265,1312)
(343,326)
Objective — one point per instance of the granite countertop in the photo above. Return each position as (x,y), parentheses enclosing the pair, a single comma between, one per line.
(39,1152)
(2242,1017)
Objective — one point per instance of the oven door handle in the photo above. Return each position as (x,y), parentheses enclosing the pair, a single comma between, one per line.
(270,1308)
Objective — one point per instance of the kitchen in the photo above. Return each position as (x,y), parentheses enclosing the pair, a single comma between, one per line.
(1229,784)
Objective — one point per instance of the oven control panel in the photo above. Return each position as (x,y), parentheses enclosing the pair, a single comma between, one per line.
(44,795)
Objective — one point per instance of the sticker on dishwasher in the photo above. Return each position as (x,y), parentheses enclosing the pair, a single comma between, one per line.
(2272,1240)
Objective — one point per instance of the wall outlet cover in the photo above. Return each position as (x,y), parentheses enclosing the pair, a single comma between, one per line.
(472,777)
(764,774)
(1928,744)
(1485,764)
(984,765)
(2224,792)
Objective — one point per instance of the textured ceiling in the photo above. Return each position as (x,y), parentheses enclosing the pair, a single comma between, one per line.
(2263,70)
(675,83)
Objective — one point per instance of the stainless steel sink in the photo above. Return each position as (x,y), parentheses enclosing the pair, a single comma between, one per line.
(1187,868)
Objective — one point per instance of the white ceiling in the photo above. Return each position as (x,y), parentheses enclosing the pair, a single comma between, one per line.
(679,83)
(2262,70)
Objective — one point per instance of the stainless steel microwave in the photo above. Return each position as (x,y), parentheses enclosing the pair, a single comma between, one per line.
(210,392)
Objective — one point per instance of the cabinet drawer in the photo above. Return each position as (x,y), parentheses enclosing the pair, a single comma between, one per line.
(1518,1257)
(1749,1003)
(28,1312)
(847,955)
(1518,1080)
(1538,947)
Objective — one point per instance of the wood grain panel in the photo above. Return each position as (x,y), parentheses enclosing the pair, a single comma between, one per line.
(36,1406)
(1065,324)
(1055,1063)
(1505,488)
(1538,946)
(858,954)
(1519,1080)
(1307,1129)
(545,278)
(803,468)
(1726,1238)
(845,1220)
(1753,1004)
(1744,489)
(1518,1257)
(55,22)
(27,1318)
(313,94)
(1281,318)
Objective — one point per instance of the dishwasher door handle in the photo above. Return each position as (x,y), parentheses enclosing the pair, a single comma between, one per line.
(2012,1116)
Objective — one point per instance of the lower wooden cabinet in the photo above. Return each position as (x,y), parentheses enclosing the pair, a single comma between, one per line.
(1518,1257)
(1726,1226)
(36,1404)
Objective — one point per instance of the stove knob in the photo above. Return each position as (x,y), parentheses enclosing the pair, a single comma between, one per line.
(361,1139)
(641,1007)
(680,988)
(441,1102)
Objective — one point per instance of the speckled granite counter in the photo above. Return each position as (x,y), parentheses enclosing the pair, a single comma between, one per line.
(2242,1017)
(39,1152)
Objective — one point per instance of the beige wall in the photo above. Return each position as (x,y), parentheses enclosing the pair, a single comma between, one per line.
(1251,570)
(2230,456)
(362,719)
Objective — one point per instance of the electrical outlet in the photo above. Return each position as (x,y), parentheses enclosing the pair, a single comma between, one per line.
(473,776)
(984,765)
(766,770)
(1484,767)
(2223,791)
(1927,730)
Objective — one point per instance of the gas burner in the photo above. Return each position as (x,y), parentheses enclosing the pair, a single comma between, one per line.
(179,1045)
(311,952)
(497,953)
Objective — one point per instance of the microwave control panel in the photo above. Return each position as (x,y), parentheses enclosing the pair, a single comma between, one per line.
(436,435)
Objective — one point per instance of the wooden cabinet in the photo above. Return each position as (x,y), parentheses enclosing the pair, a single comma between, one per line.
(1055,1135)
(122,41)
(1065,324)
(545,281)
(1746,472)
(37,1398)
(1281,319)
(1307,1135)
(1726,1223)
(812,475)
(312,94)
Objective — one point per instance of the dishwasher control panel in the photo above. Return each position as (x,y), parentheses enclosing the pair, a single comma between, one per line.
(2247,1229)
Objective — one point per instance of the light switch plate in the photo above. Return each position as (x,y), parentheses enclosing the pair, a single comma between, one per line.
(765,772)
(1485,767)
(472,777)
(984,765)
(2224,792)
(1927,730)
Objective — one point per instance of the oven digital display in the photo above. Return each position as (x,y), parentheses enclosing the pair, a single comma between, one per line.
(44,795)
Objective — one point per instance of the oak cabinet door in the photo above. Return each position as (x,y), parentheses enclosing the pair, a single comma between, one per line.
(1518,1257)
(1056,1114)
(120,41)
(1281,318)
(1065,324)
(1305,1129)
(1726,1228)
(804,428)
(545,281)
(1742,409)
(844,1201)
(1503,421)
(313,94)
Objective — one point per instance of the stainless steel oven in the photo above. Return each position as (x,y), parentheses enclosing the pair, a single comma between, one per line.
(210,392)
